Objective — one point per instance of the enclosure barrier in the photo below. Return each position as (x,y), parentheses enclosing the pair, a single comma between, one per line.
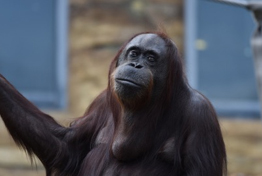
(255,6)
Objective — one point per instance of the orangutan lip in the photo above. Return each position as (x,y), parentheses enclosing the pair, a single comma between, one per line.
(127,82)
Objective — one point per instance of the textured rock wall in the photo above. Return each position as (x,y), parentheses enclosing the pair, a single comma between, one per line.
(98,29)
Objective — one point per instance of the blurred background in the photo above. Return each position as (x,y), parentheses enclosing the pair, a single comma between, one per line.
(57,54)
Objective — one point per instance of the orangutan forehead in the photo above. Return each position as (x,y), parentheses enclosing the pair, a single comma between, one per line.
(148,42)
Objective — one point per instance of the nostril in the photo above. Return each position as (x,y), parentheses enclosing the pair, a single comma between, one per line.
(132,64)
(136,65)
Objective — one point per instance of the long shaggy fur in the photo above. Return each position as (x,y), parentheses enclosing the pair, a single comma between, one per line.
(181,133)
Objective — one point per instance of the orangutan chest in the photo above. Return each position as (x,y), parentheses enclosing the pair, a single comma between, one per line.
(101,162)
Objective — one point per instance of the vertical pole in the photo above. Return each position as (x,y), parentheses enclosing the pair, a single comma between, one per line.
(190,38)
(257,50)
(62,12)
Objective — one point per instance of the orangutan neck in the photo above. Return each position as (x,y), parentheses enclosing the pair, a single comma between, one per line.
(126,145)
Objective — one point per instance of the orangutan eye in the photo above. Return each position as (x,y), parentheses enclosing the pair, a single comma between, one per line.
(133,53)
(151,58)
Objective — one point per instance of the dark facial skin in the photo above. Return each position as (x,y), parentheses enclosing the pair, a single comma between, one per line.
(141,69)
